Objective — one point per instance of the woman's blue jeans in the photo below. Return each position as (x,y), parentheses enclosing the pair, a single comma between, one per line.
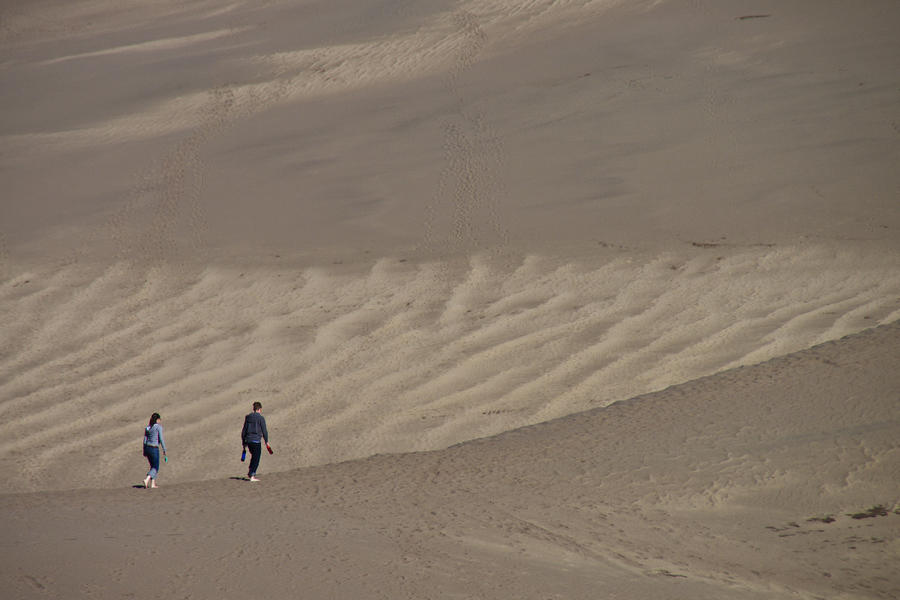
(152,454)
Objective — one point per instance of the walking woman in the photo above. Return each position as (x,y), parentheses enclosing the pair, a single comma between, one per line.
(153,441)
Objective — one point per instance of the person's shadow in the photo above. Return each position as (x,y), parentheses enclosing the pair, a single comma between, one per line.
(140,486)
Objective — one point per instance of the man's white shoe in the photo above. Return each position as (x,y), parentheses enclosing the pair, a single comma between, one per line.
(253,478)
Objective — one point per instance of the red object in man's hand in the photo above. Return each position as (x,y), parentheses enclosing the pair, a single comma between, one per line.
(269,448)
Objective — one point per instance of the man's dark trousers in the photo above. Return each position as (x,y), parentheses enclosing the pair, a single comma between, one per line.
(255,454)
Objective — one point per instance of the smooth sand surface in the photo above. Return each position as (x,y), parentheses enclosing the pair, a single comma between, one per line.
(543,299)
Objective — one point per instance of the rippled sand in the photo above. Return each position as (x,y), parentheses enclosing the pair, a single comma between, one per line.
(392,355)
(542,298)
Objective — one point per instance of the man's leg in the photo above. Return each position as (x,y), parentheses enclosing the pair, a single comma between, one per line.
(255,454)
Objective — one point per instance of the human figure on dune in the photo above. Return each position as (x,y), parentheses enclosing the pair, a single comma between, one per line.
(153,442)
(253,434)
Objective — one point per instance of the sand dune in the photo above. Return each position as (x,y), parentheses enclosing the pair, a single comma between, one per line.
(391,356)
(739,485)
(445,126)
(543,298)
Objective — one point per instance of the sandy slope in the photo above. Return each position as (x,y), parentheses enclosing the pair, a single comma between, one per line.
(405,225)
(345,127)
(391,356)
(738,485)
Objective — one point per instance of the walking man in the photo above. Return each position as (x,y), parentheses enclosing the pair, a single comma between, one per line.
(253,434)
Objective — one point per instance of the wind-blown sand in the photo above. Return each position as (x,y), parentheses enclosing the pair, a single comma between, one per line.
(542,299)
(736,485)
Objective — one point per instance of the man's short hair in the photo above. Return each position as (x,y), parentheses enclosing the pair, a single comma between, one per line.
(257,405)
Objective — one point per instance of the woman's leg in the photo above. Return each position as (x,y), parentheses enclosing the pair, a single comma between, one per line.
(147,478)
(152,455)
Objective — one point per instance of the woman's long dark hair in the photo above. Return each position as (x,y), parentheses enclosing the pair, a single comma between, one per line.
(153,419)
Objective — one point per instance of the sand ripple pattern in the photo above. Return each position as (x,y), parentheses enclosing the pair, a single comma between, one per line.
(435,44)
(392,357)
